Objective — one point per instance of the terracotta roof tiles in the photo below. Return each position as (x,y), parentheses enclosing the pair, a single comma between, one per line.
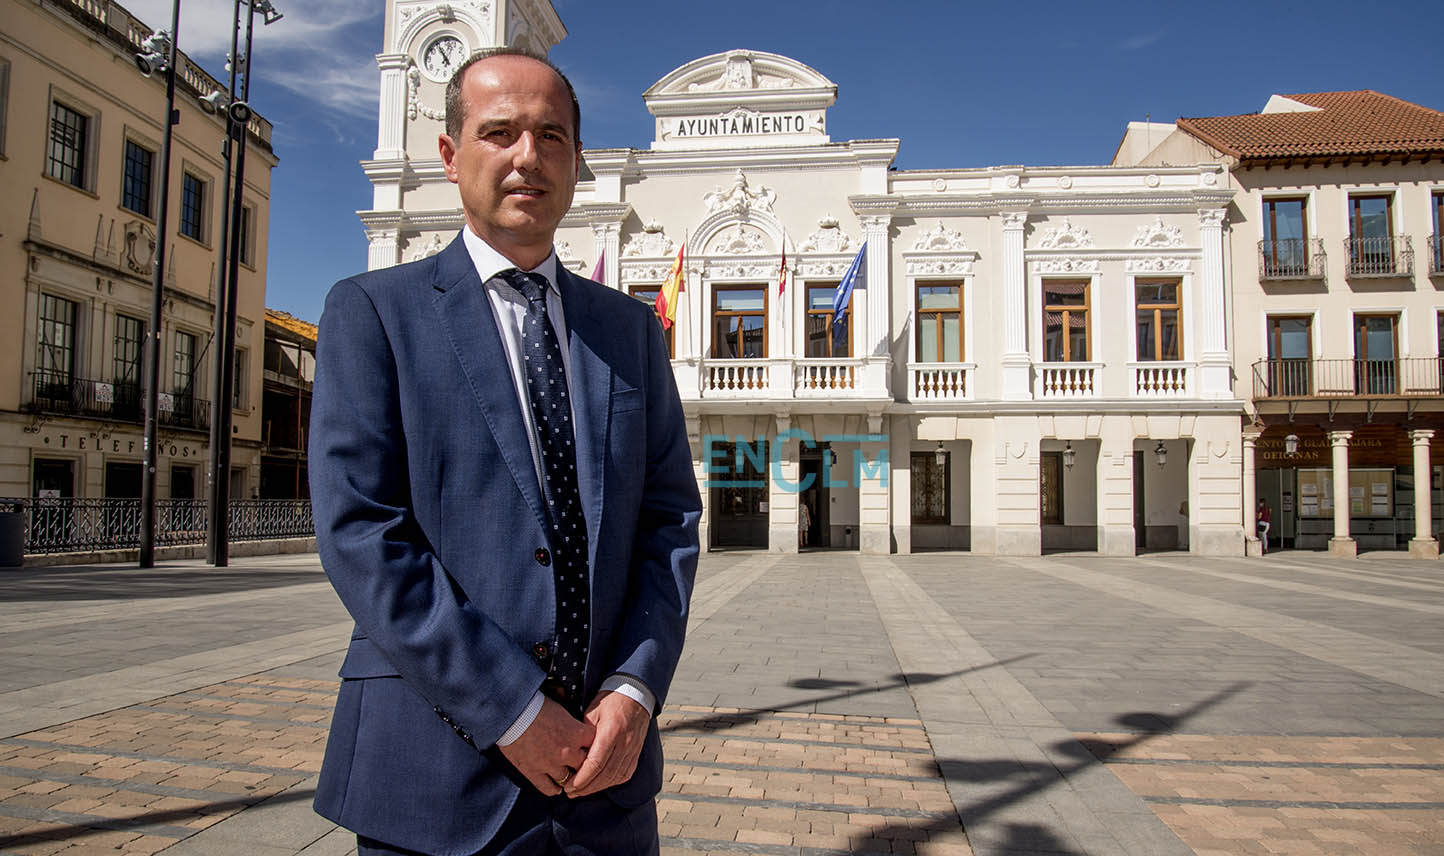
(1360,123)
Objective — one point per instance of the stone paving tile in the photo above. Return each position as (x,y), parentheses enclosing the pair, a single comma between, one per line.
(790,783)
(137,780)
(1240,794)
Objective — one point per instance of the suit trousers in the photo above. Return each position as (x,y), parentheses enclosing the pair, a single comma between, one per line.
(558,826)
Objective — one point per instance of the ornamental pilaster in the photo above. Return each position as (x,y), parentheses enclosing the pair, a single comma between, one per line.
(875,233)
(607,236)
(1016,365)
(391,118)
(1214,360)
(384,248)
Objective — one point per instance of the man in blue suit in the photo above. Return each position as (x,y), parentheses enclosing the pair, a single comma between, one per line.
(516,538)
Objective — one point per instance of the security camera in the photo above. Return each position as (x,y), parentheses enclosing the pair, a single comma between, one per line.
(240,112)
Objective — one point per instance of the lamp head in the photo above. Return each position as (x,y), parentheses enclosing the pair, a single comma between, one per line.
(1160,453)
(213,103)
(1068,454)
(239,112)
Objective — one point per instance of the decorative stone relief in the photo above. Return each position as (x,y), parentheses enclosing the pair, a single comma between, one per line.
(738,241)
(414,106)
(1015,219)
(740,74)
(827,239)
(1066,265)
(1065,182)
(940,240)
(1158,264)
(652,242)
(742,270)
(564,251)
(940,267)
(818,268)
(415,252)
(739,198)
(1158,235)
(139,251)
(1211,217)
(643,272)
(444,10)
(1066,237)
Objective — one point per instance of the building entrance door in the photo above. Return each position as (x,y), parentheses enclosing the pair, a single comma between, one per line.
(739,495)
(819,534)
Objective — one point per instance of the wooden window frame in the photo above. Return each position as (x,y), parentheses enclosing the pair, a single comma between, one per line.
(1283,380)
(1067,313)
(930,458)
(1356,219)
(637,291)
(148,211)
(937,318)
(56,168)
(718,315)
(826,315)
(1158,310)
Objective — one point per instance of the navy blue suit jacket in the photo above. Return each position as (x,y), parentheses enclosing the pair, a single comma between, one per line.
(430,524)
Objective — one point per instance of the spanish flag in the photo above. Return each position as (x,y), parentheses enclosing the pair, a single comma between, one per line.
(667,294)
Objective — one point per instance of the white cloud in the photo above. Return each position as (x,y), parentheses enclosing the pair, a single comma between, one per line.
(321,50)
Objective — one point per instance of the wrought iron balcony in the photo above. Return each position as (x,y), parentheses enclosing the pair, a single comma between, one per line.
(67,395)
(179,410)
(1409,377)
(1380,255)
(1291,258)
(1436,255)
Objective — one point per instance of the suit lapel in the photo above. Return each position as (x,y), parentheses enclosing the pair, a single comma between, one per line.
(465,314)
(591,384)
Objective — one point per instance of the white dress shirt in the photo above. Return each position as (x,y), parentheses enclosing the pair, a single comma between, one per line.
(509,308)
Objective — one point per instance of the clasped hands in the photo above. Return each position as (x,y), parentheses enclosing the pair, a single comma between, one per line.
(560,754)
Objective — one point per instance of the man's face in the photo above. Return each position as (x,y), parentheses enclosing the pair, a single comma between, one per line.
(516,160)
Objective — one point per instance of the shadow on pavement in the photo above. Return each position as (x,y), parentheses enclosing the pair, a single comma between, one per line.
(138,821)
(128,583)
(723,721)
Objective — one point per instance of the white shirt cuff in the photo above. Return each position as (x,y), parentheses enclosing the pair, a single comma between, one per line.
(632,689)
(523,722)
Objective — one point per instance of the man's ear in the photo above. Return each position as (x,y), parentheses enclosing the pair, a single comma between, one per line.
(448,155)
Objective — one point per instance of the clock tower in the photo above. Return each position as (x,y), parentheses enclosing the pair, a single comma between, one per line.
(425,42)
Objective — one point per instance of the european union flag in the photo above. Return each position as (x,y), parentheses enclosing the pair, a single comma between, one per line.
(856,275)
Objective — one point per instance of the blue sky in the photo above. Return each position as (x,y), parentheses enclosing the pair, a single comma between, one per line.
(961,84)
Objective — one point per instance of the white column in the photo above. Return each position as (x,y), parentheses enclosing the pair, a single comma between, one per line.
(1423,545)
(782,499)
(391,116)
(879,253)
(699,472)
(1215,364)
(874,502)
(1251,544)
(607,237)
(1341,544)
(384,249)
(1017,366)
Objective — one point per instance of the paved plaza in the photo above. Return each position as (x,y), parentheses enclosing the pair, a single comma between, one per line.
(826,703)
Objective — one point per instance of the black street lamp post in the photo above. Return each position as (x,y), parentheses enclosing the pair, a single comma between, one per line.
(238,116)
(148,62)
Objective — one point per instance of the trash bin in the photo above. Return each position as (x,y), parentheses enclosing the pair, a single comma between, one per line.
(12,538)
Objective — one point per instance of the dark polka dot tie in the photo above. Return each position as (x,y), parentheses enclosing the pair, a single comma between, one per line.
(551,411)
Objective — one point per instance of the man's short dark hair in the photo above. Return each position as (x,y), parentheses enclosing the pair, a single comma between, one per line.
(456,108)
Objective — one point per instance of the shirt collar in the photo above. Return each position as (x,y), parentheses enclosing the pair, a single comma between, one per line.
(489,262)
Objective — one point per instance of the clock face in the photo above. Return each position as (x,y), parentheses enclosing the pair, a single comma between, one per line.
(442,57)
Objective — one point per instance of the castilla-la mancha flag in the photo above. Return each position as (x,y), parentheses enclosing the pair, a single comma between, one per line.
(671,286)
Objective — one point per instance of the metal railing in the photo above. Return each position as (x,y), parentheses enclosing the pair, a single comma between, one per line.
(1380,255)
(67,395)
(84,525)
(1291,258)
(1408,377)
(1436,255)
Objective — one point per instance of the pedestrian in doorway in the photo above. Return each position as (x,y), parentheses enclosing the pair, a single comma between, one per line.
(804,523)
(1264,520)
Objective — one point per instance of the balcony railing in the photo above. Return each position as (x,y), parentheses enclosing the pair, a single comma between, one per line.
(1068,380)
(1161,380)
(83,525)
(940,381)
(1436,255)
(1409,377)
(736,378)
(1291,258)
(66,395)
(1380,255)
(822,377)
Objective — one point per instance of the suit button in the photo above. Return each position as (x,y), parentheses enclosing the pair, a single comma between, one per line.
(543,556)
(540,651)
